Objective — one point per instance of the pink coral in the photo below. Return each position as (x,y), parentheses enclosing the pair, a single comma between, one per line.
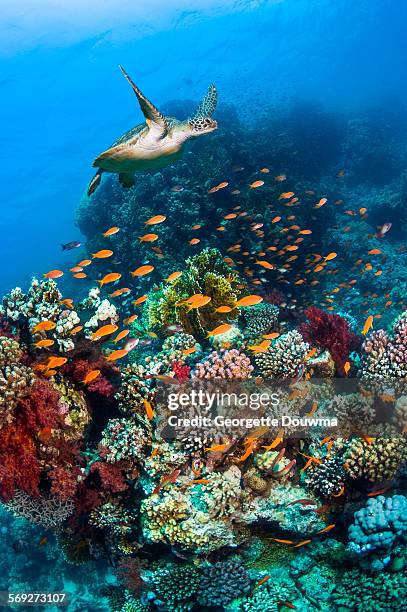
(385,355)
(229,364)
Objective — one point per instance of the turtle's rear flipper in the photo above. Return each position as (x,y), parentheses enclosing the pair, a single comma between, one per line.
(126,180)
(95,182)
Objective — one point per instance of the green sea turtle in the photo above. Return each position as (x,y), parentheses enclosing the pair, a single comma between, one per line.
(153,144)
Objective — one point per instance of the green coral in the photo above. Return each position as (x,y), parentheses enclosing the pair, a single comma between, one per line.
(176,586)
(361,592)
(206,273)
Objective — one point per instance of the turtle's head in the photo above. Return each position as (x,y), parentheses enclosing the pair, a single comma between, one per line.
(202,125)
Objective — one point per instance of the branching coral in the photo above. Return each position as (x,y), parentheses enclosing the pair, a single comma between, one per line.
(223,582)
(206,274)
(284,358)
(134,389)
(364,593)
(385,354)
(223,493)
(376,460)
(46,511)
(259,319)
(16,379)
(230,364)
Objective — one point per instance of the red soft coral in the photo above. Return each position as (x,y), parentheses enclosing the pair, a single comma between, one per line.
(77,370)
(181,371)
(40,407)
(64,481)
(111,477)
(19,465)
(330,332)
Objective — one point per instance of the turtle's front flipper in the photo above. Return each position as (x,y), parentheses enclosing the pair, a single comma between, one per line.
(126,180)
(95,182)
(154,118)
(207,106)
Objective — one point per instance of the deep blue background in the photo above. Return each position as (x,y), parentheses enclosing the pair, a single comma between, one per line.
(63,100)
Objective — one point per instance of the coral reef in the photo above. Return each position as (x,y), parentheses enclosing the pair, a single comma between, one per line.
(377,530)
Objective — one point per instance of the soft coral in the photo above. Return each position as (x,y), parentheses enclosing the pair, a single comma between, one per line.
(330,332)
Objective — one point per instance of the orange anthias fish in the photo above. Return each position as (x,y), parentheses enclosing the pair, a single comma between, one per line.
(282,541)
(155,220)
(271,336)
(217,448)
(44,343)
(44,326)
(330,256)
(230,216)
(80,275)
(256,184)
(368,324)
(68,302)
(148,238)
(168,478)
(121,335)
(264,264)
(142,270)
(286,195)
(111,231)
(85,262)
(220,186)
(277,440)
(198,481)
(194,241)
(303,543)
(149,409)
(198,301)
(326,529)
(221,329)
(262,581)
(223,309)
(106,330)
(109,278)
(56,362)
(117,355)
(76,330)
(249,300)
(260,348)
(91,376)
(54,274)
(131,319)
(321,202)
(280,177)
(103,254)
(140,300)
(173,276)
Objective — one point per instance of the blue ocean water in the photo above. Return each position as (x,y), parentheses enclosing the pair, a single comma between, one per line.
(63,99)
(311,98)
